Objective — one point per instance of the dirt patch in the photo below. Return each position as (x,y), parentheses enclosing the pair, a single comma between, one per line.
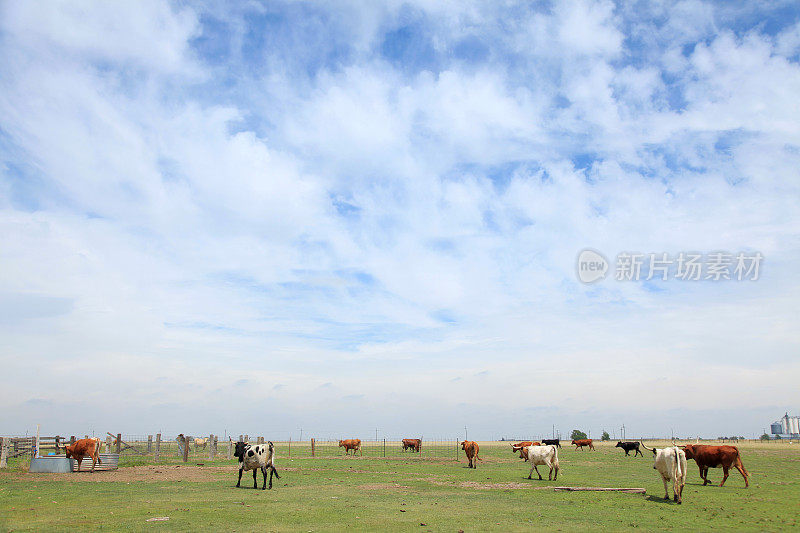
(382,486)
(147,473)
(482,485)
(501,486)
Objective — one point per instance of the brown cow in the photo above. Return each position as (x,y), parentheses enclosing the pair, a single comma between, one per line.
(471,448)
(351,444)
(520,447)
(707,456)
(84,448)
(580,443)
(413,444)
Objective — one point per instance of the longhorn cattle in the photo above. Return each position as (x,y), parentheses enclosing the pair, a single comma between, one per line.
(628,446)
(552,442)
(471,450)
(256,457)
(520,447)
(84,448)
(543,455)
(580,443)
(707,456)
(412,444)
(671,464)
(351,444)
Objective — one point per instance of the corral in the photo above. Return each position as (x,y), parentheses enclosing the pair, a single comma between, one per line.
(429,492)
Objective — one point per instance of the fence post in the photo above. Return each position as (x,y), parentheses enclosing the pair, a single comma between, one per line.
(108,444)
(384,447)
(247,438)
(4,452)
(185,449)
(290,446)
(149,444)
(216,440)
(312,448)
(230,449)
(210,445)
(158,445)
(241,438)
(119,443)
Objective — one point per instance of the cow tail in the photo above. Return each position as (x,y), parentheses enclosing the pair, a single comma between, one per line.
(97,450)
(678,473)
(740,463)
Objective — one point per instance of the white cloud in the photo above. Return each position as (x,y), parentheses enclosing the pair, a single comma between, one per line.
(185,225)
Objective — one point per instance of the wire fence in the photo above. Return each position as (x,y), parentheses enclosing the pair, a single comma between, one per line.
(155,447)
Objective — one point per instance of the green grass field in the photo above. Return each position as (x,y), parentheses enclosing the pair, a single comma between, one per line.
(403,493)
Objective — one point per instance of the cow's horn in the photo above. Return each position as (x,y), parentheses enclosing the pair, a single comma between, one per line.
(645,446)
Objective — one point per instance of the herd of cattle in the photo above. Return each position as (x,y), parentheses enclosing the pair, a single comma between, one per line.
(670,462)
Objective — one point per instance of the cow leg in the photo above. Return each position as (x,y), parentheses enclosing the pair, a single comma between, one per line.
(702,475)
(264,474)
(639,452)
(550,476)
(255,478)
(666,488)
(240,477)
(537,472)
(724,475)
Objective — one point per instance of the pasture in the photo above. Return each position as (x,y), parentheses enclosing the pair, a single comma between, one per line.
(404,492)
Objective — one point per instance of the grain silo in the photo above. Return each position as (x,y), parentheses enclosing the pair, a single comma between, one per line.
(786,427)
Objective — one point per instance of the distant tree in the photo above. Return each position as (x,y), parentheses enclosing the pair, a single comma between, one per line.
(765,437)
(605,436)
(577,434)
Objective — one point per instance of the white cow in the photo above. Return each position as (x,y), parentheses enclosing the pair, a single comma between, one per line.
(200,443)
(671,464)
(542,455)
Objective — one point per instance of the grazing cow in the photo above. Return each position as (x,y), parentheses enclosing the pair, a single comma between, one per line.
(628,446)
(84,448)
(256,457)
(707,456)
(671,464)
(552,442)
(543,455)
(351,444)
(520,447)
(471,449)
(412,444)
(580,443)
(200,443)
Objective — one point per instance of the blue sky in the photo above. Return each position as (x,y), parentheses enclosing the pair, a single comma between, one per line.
(360,215)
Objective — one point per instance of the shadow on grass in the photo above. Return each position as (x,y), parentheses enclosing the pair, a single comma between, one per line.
(659,499)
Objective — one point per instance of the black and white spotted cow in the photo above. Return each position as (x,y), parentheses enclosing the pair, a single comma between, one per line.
(256,457)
